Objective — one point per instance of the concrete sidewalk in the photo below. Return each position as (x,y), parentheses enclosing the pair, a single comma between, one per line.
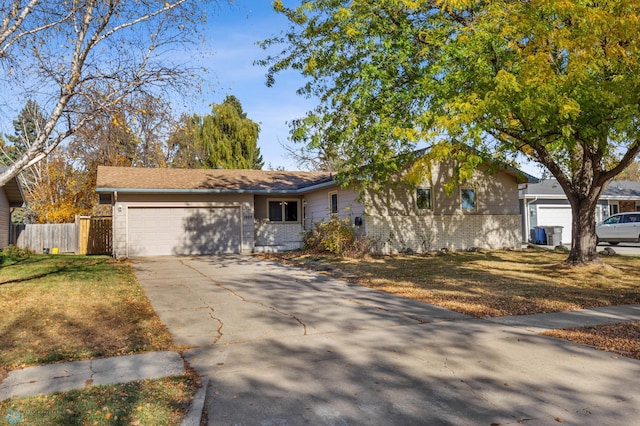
(61,377)
(66,376)
(539,323)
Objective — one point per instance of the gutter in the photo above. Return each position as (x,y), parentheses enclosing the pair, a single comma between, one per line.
(216,191)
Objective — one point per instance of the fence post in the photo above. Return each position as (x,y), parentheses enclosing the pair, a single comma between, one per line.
(82,224)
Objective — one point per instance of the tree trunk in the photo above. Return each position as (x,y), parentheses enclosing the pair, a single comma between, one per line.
(583,236)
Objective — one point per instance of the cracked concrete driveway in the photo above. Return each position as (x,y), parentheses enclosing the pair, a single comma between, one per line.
(283,346)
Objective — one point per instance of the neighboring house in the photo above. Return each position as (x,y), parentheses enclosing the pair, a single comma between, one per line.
(545,204)
(178,211)
(10,196)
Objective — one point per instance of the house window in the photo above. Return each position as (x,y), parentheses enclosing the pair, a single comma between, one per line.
(283,211)
(333,202)
(468,199)
(423,198)
(614,208)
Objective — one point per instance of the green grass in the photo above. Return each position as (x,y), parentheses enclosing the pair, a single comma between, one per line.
(146,402)
(63,308)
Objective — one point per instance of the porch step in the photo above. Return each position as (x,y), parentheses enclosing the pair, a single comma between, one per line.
(277,248)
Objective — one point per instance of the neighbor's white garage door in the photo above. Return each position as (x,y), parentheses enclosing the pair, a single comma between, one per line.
(556,216)
(154,231)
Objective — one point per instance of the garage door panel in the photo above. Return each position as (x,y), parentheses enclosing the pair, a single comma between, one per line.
(556,216)
(183,231)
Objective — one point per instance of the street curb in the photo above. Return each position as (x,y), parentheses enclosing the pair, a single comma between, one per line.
(194,415)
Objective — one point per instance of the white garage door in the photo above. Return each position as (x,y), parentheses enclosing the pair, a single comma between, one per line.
(556,216)
(183,230)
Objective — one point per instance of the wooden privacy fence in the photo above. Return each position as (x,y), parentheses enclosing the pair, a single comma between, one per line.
(94,235)
(88,235)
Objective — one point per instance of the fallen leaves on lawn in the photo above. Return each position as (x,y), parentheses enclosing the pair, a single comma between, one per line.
(487,284)
(622,338)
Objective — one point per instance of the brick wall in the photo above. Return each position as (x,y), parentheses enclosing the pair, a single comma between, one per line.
(420,234)
(627,206)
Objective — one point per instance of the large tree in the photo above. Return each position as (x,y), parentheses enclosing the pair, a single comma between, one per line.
(225,138)
(89,52)
(557,81)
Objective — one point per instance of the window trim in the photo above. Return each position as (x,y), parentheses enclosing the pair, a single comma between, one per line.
(614,205)
(475,199)
(430,208)
(331,194)
(284,200)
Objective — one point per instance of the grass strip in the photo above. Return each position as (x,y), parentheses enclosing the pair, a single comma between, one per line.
(147,402)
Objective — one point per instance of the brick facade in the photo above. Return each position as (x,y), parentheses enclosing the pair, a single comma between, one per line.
(394,234)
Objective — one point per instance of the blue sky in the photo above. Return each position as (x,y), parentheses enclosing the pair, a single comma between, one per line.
(231,36)
(229,52)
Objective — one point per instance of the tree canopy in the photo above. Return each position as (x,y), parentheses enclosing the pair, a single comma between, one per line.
(82,58)
(557,81)
(226,138)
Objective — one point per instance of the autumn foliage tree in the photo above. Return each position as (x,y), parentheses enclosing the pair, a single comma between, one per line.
(62,193)
(557,81)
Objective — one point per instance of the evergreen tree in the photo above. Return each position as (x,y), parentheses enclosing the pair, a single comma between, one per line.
(225,138)
(26,126)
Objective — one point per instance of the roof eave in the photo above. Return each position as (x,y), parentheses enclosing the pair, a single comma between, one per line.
(297,191)
(543,196)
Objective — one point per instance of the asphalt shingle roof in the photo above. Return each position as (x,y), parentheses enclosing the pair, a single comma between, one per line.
(616,189)
(137,178)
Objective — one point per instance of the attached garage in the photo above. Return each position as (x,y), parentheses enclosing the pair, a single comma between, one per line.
(556,215)
(156,231)
(166,212)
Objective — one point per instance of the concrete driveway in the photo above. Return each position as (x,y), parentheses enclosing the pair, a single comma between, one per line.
(629,249)
(283,346)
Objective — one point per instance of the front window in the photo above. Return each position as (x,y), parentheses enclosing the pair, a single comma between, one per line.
(283,211)
(333,202)
(423,198)
(468,199)
(613,209)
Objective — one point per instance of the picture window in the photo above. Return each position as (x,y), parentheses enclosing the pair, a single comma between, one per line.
(283,211)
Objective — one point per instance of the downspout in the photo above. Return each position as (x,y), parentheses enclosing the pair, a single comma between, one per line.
(527,222)
(113,227)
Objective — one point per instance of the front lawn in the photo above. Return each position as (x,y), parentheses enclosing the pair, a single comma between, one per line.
(489,284)
(622,338)
(64,308)
(67,308)
(147,402)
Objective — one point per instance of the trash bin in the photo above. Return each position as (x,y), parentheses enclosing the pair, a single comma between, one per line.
(539,235)
(554,235)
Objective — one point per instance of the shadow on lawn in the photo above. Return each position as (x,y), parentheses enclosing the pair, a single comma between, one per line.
(142,402)
(488,283)
(41,266)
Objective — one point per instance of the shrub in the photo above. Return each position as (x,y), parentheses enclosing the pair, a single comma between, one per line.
(15,253)
(336,236)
